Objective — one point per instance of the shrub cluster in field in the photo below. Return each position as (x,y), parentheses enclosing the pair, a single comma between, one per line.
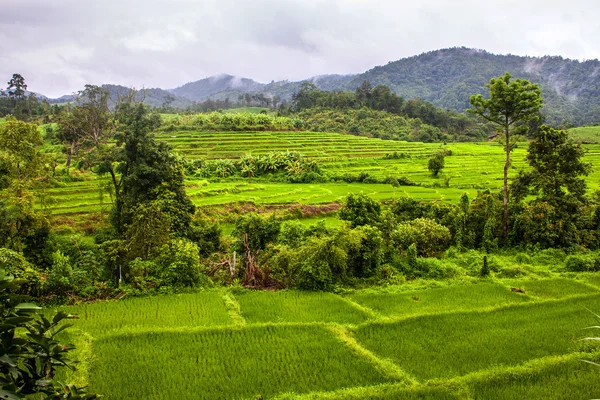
(220,121)
(291,164)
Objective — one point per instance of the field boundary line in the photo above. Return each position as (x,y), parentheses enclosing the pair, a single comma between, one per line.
(371,313)
(233,308)
(363,392)
(384,366)
(84,355)
(484,310)
(534,366)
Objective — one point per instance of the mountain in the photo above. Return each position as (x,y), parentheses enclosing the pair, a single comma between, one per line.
(153,97)
(448,77)
(219,86)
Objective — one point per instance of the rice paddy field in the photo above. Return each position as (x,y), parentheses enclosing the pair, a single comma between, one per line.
(465,340)
(471,167)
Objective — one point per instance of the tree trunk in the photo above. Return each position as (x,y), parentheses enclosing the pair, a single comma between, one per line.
(506,165)
(69,157)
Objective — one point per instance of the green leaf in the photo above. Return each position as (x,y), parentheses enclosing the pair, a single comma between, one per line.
(8,395)
(28,306)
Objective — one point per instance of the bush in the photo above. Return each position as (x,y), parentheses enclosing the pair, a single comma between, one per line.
(578,263)
(292,233)
(323,262)
(30,361)
(436,163)
(360,210)
(429,236)
(255,231)
(366,251)
(15,264)
(179,264)
(60,278)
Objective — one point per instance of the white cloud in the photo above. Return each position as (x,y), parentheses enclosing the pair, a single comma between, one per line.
(61,45)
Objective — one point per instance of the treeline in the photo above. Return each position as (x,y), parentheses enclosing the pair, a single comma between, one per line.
(24,106)
(377,111)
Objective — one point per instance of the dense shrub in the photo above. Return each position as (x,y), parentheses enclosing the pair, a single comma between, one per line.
(179,264)
(360,210)
(15,264)
(430,237)
(581,263)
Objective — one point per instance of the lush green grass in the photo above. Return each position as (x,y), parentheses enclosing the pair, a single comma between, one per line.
(572,379)
(293,306)
(476,340)
(454,298)
(225,364)
(553,288)
(449,345)
(585,134)
(201,309)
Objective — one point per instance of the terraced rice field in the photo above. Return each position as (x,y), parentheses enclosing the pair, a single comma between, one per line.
(471,167)
(470,340)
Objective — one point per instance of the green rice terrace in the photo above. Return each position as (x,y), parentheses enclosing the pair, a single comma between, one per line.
(469,168)
(466,340)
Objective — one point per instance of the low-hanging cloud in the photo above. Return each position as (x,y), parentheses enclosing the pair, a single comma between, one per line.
(61,45)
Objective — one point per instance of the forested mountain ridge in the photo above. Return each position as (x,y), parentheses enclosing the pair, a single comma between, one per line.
(446,78)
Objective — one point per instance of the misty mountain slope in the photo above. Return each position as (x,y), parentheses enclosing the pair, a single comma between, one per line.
(447,78)
(216,86)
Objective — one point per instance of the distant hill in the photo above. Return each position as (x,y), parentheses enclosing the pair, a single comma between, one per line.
(220,86)
(446,78)
(152,97)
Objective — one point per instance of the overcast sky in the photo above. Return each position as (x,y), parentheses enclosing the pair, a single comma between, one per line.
(60,45)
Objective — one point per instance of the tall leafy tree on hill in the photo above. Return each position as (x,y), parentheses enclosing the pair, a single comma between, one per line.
(148,170)
(555,217)
(24,163)
(511,106)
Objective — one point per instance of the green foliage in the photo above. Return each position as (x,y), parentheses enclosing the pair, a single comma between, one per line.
(365,254)
(292,233)
(31,351)
(429,237)
(511,106)
(245,121)
(60,278)
(582,263)
(254,232)
(323,262)
(556,218)
(436,163)
(206,235)
(14,264)
(360,210)
(149,171)
(179,264)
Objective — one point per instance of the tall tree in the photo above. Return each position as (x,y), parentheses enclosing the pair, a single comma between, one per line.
(70,132)
(557,216)
(17,87)
(147,170)
(511,106)
(16,94)
(19,152)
